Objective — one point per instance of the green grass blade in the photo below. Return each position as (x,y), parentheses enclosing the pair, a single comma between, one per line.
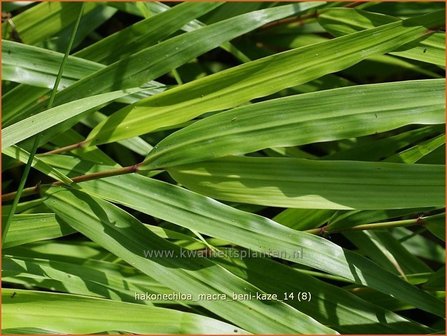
(22,97)
(22,155)
(417,152)
(378,149)
(44,20)
(341,21)
(437,280)
(387,251)
(303,219)
(39,67)
(437,227)
(303,119)
(421,246)
(33,309)
(28,127)
(145,33)
(301,183)
(28,228)
(89,277)
(90,22)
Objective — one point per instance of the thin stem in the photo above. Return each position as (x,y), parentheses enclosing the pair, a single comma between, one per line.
(177,77)
(385,225)
(82,178)
(353,4)
(12,195)
(33,151)
(65,149)
(375,226)
(101,174)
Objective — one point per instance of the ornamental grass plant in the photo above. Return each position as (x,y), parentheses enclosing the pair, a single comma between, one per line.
(223,168)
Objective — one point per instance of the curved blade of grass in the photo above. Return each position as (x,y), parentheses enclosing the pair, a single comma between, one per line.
(421,246)
(196,212)
(20,98)
(90,22)
(437,227)
(378,149)
(301,183)
(27,228)
(303,219)
(307,118)
(30,126)
(137,144)
(79,251)
(437,280)
(38,67)
(26,70)
(35,66)
(28,206)
(386,251)
(33,309)
(44,20)
(30,227)
(259,78)
(145,33)
(404,9)
(22,155)
(157,8)
(126,237)
(341,21)
(417,152)
(83,277)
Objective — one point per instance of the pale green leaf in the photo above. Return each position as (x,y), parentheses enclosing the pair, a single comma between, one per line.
(27,228)
(28,127)
(44,20)
(145,33)
(301,183)
(341,21)
(22,155)
(48,311)
(302,119)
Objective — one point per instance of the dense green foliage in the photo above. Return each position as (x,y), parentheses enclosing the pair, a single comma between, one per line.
(223,168)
